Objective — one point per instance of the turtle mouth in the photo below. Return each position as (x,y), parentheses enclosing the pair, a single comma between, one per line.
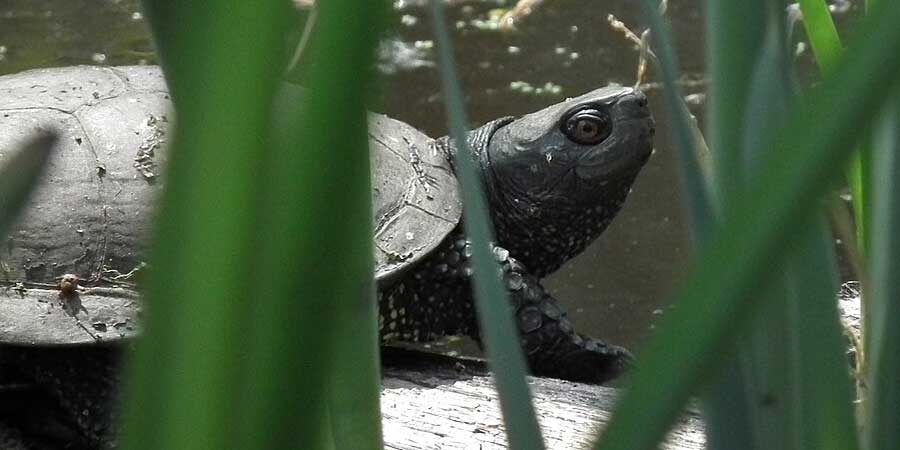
(614,169)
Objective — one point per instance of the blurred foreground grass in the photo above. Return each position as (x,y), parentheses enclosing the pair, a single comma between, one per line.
(262,330)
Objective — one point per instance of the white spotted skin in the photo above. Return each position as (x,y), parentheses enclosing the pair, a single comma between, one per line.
(433,302)
(544,240)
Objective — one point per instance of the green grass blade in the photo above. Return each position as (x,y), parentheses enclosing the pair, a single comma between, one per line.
(315,345)
(745,407)
(728,427)
(827,47)
(356,383)
(717,296)
(769,93)
(730,26)
(697,197)
(727,410)
(809,389)
(218,58)
(765,379)
(20,171)
(859,179)
(760,382)
(822,388)
(497,327)
(822,34)
(882,430)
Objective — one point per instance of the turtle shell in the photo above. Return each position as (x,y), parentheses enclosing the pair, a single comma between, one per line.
(92,211)
(415,196)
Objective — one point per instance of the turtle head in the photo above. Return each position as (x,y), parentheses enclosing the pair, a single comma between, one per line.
(557,177)
(571,151)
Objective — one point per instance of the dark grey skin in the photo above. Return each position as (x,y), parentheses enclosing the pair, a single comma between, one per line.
(554,179)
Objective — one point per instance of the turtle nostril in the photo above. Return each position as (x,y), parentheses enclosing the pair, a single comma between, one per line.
(640,99)
(636,103)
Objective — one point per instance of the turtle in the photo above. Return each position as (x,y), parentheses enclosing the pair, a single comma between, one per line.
(554,179)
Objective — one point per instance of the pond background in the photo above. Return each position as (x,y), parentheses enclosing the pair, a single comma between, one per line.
(615,290)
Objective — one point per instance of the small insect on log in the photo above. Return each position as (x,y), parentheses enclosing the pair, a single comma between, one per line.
(68,284)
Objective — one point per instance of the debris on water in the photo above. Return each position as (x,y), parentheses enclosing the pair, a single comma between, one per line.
(395,56)
(521,86)
(409,20)
(840,6)
(427,44)
(524,87)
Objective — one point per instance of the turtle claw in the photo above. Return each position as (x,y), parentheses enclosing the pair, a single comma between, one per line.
(595,362)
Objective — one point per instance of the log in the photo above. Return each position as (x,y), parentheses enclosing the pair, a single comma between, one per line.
(435,402)
(432,405)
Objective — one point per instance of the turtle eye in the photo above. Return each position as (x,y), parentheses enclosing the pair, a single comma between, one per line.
(587,126)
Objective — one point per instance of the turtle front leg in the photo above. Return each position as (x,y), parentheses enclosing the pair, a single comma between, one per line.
(436,300)
(551,345)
